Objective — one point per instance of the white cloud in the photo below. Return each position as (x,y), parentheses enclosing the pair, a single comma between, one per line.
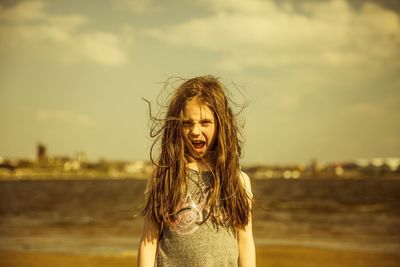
(262,34)
(28,23)
(136,6)
(24,11)
(102,47)
(64,116)
(237,6)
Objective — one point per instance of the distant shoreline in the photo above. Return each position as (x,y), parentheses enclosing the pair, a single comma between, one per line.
(71,177)
(68,176)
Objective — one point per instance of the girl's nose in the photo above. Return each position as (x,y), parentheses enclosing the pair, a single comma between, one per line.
(196,129)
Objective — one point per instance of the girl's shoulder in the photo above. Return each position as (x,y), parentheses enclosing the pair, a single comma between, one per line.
(245,180)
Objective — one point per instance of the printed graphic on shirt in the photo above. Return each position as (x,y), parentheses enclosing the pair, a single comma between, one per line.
(187,219)
(190,213)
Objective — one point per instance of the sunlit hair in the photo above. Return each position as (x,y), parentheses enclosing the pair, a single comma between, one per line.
(164,193)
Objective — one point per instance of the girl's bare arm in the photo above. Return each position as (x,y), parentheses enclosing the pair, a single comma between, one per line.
(149,239)
(148,243)
(247,251)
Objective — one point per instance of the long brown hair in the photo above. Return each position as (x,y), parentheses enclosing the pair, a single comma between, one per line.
(166,189)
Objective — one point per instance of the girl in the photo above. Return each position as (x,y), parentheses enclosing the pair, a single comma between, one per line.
(198,204)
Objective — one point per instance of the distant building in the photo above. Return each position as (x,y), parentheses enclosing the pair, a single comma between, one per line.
(41,152)
(273,172)
(81,157)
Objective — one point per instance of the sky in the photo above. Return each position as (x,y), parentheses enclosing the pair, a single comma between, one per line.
(321,78)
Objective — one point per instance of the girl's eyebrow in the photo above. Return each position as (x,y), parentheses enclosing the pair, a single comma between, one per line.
(185,119)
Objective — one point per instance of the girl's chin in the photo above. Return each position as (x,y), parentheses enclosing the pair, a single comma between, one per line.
(199,152)
(202,153)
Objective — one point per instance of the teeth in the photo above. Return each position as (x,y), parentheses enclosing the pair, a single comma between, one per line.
(198,143)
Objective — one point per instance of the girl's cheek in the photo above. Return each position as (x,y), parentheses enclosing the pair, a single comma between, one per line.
(186,132)
(187,140)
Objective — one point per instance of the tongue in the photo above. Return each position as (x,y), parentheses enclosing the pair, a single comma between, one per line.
(198,145)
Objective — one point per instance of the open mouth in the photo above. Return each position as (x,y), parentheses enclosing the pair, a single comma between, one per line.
(198,144)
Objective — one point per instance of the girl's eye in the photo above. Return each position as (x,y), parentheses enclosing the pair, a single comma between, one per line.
(206,123)
(186,123)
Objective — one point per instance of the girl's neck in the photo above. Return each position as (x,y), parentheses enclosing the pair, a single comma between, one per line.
(206,163)
(201,165)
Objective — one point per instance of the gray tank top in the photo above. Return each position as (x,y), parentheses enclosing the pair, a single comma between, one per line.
(187,243)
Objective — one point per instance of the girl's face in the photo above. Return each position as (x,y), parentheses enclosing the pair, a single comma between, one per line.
(199,127)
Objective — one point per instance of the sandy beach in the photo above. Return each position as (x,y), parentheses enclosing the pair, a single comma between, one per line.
(269,256)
